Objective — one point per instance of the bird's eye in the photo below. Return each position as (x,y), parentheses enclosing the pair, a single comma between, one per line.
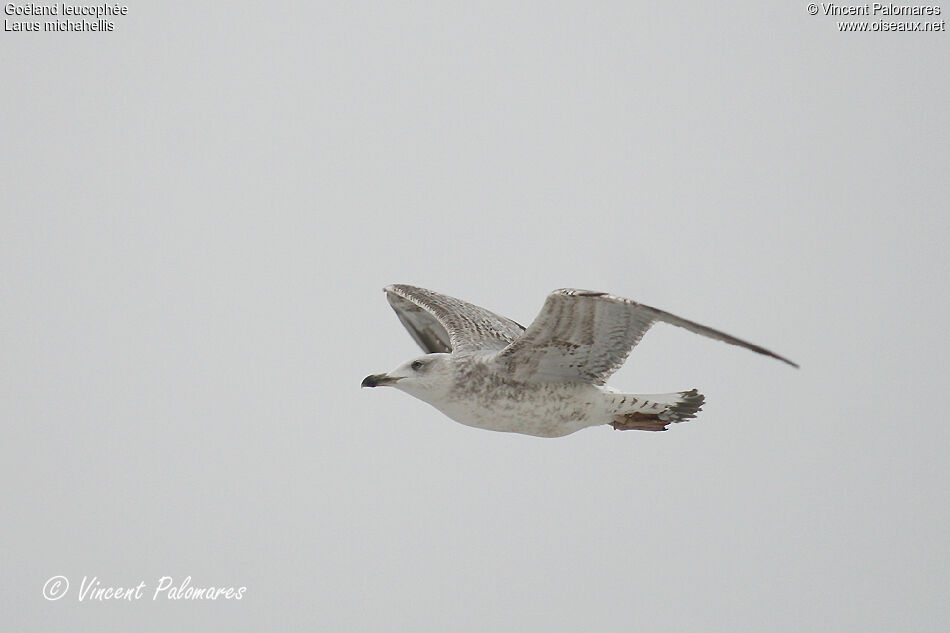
(416,365)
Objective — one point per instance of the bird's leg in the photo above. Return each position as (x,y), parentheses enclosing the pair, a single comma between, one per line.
(637,421)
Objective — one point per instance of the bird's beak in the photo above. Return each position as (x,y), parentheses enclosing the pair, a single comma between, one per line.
(378,380)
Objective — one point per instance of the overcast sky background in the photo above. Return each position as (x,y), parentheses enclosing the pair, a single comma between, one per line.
(201,208)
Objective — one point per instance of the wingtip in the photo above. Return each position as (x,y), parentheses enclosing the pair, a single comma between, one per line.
(578,292)
(400,288)
(784,360)
(396,289)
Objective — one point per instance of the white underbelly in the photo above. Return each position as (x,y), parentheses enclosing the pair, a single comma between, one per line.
(542,410)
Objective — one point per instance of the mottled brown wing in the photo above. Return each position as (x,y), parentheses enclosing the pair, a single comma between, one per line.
(440,323)
(586,336)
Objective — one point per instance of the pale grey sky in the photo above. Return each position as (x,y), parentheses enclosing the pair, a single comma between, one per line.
(201,207)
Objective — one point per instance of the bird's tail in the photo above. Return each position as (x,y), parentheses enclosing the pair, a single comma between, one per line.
(654,412)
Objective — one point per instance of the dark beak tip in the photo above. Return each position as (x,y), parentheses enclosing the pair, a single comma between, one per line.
(376,380)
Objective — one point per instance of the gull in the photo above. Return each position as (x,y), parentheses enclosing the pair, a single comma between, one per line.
(547,380)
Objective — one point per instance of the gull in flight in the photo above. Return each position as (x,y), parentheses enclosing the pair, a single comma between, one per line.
(547,380)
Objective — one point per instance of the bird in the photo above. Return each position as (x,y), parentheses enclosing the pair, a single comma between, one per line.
(547,380)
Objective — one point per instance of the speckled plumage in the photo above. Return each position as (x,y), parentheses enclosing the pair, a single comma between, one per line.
(548,380)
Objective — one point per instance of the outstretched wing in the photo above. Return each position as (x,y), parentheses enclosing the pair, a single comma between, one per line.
(586,336)
(439,323)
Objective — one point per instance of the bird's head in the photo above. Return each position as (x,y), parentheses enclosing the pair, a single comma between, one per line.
(426,377)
